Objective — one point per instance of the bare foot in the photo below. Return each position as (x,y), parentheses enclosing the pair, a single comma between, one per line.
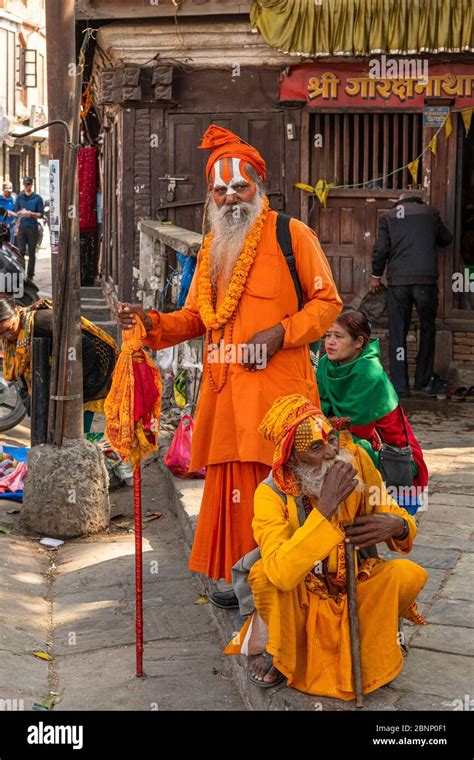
(261,668)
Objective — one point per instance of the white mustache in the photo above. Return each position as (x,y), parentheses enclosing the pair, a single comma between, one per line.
(311,480)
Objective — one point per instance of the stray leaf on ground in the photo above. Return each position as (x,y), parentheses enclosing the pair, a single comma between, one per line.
(42,655)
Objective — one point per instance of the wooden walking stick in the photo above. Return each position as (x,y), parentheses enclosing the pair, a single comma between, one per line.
(354,625)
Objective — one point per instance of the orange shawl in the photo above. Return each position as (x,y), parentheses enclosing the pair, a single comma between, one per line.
(133,406)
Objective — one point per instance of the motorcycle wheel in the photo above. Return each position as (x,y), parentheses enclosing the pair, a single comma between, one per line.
(12,409)
(29,296)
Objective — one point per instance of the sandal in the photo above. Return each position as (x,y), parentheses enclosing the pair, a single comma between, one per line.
(265,684)
(459,394)
(469,397)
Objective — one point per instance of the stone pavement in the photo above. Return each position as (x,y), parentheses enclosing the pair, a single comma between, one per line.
(77,603)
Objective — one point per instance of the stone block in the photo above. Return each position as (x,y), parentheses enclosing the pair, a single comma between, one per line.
(66,490)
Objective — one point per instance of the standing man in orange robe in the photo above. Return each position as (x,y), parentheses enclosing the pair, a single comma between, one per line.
(243,299)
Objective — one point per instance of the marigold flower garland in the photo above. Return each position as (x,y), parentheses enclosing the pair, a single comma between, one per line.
(213,319)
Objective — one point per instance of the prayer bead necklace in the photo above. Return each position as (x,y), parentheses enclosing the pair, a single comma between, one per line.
(214,387)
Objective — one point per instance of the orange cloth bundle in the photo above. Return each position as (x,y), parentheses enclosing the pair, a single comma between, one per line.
(133,406)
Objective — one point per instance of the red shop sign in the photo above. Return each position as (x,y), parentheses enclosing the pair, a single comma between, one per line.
(355,85)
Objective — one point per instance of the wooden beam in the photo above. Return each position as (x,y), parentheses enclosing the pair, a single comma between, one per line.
(115,9)
(305,163)
(127,210)
(385,149)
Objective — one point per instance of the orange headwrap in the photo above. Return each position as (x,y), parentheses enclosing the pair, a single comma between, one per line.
(225,143)
(280,424)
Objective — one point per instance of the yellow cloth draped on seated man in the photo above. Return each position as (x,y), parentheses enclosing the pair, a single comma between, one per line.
(306,618)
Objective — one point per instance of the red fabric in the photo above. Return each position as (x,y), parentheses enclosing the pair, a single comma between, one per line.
(15,480)
(224,143)
(393,433)
(145,393)
(224,530)
(87,173)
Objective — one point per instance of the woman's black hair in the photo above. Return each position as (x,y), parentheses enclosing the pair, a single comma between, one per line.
(356,323)
(7,308)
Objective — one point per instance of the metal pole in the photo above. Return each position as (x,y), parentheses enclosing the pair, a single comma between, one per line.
(137,503)
(40,391)
(354,625)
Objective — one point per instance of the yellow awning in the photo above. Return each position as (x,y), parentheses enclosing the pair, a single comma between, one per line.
(365,27)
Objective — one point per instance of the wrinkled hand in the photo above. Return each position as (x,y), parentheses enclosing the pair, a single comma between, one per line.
(126,318)
(367,530)
(374,284)
(337,486)
(263,346)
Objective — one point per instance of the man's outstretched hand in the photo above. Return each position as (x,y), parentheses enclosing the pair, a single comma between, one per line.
(126,316)
(367,530)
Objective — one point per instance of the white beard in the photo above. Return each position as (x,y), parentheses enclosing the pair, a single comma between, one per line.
(311,480)
(229,231)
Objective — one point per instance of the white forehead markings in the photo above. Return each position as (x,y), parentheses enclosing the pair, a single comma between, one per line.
(236,175)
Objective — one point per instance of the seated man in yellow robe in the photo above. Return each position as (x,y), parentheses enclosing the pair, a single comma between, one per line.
(323,491)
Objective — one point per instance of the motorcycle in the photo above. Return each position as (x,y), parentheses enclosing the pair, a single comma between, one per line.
(14,282)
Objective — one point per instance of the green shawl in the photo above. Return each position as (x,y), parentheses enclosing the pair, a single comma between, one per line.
(360,389)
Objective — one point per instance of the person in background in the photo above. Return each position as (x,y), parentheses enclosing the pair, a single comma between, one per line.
(7,202)
(407,239)
(352,383)
(18,326)
(29,206)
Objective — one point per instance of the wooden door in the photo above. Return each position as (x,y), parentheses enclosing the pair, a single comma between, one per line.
(340,229)
(262,130)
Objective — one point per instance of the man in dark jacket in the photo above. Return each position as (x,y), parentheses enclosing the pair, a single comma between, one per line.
(408,236)
(30,206)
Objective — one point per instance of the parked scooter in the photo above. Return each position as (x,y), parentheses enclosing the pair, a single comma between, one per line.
(12,408)
(13,280)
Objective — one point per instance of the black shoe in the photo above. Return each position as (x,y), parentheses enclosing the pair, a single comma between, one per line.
(225,600)
(436,388)
(404,394)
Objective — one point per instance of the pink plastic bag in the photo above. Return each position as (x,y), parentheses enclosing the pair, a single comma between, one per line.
(178,456)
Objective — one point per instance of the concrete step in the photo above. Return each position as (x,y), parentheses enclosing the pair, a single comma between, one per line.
(99,313)
(91,292)
(93,302)
(111,327)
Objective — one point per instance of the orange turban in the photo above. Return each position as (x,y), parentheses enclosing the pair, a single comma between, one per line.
(280,425)
(225,143)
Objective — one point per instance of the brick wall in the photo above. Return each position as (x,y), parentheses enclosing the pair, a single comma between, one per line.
(463,347)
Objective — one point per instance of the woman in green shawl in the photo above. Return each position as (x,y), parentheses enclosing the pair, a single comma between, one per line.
(352,383)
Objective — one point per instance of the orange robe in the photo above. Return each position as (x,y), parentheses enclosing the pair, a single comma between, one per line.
(226,422)
(308,630)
